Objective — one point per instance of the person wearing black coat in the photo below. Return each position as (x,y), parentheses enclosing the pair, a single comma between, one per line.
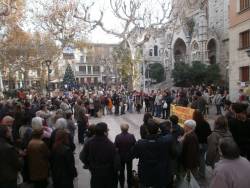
(202,131)
(9,160)
(116,102)
(240,128)
(154,160)
(62,162)
(124,143)
(143,128)
(99,156)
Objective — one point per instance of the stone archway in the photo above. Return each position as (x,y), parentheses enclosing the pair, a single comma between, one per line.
(212,51)
(180,51)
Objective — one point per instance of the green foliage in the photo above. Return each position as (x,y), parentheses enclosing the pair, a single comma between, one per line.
(198,72)
(69,78)
(214,74)
(185,75)
(181,74)
(156,72)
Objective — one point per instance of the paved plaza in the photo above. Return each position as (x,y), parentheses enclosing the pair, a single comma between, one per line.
(135,121)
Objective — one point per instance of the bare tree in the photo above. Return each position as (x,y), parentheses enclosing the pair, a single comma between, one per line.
(6,6)
(138,18)
(57,18)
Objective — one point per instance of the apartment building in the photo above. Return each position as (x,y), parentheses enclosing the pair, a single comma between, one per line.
(239,34)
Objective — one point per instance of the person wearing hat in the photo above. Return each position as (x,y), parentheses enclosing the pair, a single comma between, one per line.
(190,147)
(240,128)
(10,163)
(99,156)
(38,155)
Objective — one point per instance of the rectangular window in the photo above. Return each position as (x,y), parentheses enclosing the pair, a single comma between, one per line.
(96,70)
(155,50)
(82,59)
(95,80)
(89,70)
(82,69)
(82,80)
(245,39)
(244,4)
(151,52)
(244,72)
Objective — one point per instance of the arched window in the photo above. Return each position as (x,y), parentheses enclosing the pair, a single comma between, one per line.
(151,52)
(155,50)
(212,50)
(180,50)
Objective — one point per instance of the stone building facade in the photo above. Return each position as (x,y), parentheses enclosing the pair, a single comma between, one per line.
(197,31)
(239,33)
(92,64)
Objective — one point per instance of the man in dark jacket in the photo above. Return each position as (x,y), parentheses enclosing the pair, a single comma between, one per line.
(99,156)
(154,160)
(82,123)
(9,160)
(240,128)
(124,143)
(116,102)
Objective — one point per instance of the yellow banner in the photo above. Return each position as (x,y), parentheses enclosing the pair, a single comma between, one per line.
(183,113)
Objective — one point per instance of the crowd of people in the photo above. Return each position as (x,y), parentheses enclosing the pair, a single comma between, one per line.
(37,142)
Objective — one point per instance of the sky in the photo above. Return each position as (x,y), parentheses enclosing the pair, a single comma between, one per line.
(109,20)
(98,35)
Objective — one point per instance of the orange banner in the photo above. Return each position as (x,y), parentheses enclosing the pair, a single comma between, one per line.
(183,113)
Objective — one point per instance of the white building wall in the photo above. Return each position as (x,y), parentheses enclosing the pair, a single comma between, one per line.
(218,16)
(238,58)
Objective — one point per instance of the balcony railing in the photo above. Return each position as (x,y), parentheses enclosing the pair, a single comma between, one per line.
(81,73)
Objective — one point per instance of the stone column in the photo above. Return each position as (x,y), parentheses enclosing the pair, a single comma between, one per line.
(203,33)
(1,82)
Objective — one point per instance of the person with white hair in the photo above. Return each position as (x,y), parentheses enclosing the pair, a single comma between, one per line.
(8,121)
(61,124)
(38,155)
(37,124)
(190,147)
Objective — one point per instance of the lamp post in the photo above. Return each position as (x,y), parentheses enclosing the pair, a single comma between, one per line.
(48,63)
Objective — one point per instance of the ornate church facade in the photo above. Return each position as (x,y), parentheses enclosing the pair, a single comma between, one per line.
(197,31)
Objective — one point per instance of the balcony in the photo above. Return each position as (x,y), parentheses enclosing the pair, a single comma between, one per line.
(81,73)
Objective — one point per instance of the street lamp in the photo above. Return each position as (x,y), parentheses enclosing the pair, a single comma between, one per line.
(48,63)
(248,52)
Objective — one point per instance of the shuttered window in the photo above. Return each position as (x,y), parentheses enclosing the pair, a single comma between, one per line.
(245,39)
(244,4)
(244,71)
